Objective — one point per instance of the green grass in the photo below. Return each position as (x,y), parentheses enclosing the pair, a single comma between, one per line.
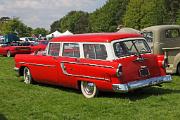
(19,101)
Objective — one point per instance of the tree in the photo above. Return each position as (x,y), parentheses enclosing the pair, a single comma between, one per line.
(15,26)
(142,13)
(40,31)
(178,17)
(172,7)
(109,16)
(74,21)
(55,26)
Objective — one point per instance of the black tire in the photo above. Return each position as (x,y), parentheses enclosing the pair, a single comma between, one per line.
(178,69)
(27,76)
(89,89)
(8,54)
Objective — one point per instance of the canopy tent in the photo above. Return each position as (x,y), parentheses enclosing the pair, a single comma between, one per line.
(57,34)
(54,34)
(129,30)
(67,33)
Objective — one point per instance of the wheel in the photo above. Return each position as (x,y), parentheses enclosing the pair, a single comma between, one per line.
(178,69)
(8,54)
(27,76)
(89,89)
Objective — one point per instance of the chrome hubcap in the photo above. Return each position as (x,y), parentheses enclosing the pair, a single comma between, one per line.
(27,76)
(88,88)
(8,54)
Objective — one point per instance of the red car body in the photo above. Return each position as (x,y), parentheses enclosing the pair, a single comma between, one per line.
(69,62)
(13,50)
(39,45)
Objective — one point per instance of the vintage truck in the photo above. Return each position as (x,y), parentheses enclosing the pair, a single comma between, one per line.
(165,40)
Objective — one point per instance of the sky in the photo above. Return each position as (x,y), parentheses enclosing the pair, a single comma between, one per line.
(42,13)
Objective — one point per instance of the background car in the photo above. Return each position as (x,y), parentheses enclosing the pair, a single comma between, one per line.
(39,45)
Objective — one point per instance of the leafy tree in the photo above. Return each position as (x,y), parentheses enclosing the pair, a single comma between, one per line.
(75,21)
(172,7)
(15,26)
(178,17)
(141,13)
(109,16)
(39,31)
(55,26)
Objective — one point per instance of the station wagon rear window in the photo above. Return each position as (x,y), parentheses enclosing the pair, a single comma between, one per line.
(95,51)
(54,49)
(131,47)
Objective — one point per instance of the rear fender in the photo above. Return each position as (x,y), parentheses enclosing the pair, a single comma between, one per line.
(176,62)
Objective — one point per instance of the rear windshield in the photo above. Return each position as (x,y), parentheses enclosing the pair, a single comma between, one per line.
(131,47)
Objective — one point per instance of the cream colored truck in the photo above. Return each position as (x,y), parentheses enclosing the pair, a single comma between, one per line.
(165,39)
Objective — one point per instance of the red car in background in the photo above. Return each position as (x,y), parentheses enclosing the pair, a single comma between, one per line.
(39,45)
(10,50)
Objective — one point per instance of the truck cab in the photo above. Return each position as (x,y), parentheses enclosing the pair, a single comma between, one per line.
(165,40)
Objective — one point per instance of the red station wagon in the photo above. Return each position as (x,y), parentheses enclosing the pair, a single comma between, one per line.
(95,62)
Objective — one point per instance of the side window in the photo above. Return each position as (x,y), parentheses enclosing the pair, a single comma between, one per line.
(71,50)
(54,49)
(172,33)
(95,51)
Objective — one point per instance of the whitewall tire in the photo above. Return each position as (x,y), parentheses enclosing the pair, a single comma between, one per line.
(89,89)
(27,76)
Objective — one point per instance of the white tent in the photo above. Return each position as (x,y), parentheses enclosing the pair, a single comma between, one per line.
(67,33)
(129,30)
(57,34)
(54,34)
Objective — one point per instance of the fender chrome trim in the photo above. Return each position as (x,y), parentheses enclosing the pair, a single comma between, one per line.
(35,64)
(83,76)
(142,83)
(104,66)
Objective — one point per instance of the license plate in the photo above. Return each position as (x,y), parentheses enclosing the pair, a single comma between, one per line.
(144,71)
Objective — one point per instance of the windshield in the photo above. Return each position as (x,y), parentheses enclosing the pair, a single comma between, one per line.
(131,47)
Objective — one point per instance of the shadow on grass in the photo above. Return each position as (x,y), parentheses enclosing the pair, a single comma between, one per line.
(2,117)
(140,93)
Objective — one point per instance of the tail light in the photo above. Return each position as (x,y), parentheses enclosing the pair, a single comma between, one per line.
(119,70)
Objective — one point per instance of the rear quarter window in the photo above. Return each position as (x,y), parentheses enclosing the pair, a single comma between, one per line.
(95,51)
(71,50)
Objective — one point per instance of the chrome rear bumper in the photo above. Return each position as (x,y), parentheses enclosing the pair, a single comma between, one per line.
(142,83)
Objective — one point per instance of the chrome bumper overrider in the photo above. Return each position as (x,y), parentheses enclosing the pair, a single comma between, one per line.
(142,83)
(16,69)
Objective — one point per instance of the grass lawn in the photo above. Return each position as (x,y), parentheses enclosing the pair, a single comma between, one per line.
(19,101)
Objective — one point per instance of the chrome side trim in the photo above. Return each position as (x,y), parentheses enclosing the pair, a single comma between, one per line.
(104,66)
(35,64)
(142,83)
(83,76)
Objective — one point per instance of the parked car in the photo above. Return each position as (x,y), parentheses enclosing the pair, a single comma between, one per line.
(39,45)
(95,62)
(165,39)
(28,39)
(11,49)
